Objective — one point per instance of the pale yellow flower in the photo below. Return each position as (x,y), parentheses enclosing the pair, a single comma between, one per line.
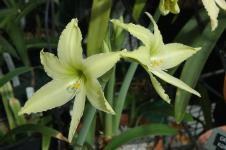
(72,77)
(213,10)
(169,6)
(156,57)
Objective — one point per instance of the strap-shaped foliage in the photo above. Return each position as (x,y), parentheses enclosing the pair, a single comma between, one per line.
(207,41)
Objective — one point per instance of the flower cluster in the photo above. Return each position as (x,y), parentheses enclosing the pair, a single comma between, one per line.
(76,77)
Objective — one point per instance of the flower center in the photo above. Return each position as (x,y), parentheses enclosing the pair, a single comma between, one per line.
(75,86)
(156,63)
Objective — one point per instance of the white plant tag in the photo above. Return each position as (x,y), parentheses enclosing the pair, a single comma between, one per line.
(9,62)
(29,91)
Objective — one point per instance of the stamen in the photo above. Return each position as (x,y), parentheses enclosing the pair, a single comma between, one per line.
(74,87)
(156,63)
(77,85)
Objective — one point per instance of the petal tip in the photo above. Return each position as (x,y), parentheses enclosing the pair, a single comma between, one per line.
(109,109)
(198,94)
(69,139)
(149,15)
(168,100)
(112,112)
(198,48)
(42,53)
(123,51)
(73,23)
(117,22)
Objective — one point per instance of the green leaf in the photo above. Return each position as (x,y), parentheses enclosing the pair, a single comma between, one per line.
(15,107)
(138,8)
(16,35)
(191,26)
(162,109)
(207,41)
(120,101)
(89,116)
(138,132)
(7,93)
(46,140)
(28,7)
(40,43)
(34,128)
(7,47)
(12,3)
(6,2)
(110,92)
(7,11)
(117,37)
(205,104)
(3,129)
(98,25)
(7,77)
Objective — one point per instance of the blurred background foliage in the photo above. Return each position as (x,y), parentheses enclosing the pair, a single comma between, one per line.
(28,26)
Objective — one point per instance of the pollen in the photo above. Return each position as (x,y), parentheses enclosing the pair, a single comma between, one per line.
(74,87)
(156,63)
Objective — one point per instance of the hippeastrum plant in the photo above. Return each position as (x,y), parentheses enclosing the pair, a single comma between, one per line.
(169,6)
(156,57)
(213,10)
(72,76)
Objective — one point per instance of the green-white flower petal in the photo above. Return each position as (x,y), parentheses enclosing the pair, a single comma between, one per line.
(53,94)
(174,81)
(69,46)
(170,55)
(159,89)
(55,68)
(137,31)
(97,65)
(213,11)
(157,43)
(141,55)
(221,4)
(96,96)
(167,6)
(77,111)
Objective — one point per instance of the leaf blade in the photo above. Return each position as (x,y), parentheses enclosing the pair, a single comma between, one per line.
(141,131)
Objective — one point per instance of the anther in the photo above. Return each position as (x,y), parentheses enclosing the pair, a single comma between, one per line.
(74,87)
